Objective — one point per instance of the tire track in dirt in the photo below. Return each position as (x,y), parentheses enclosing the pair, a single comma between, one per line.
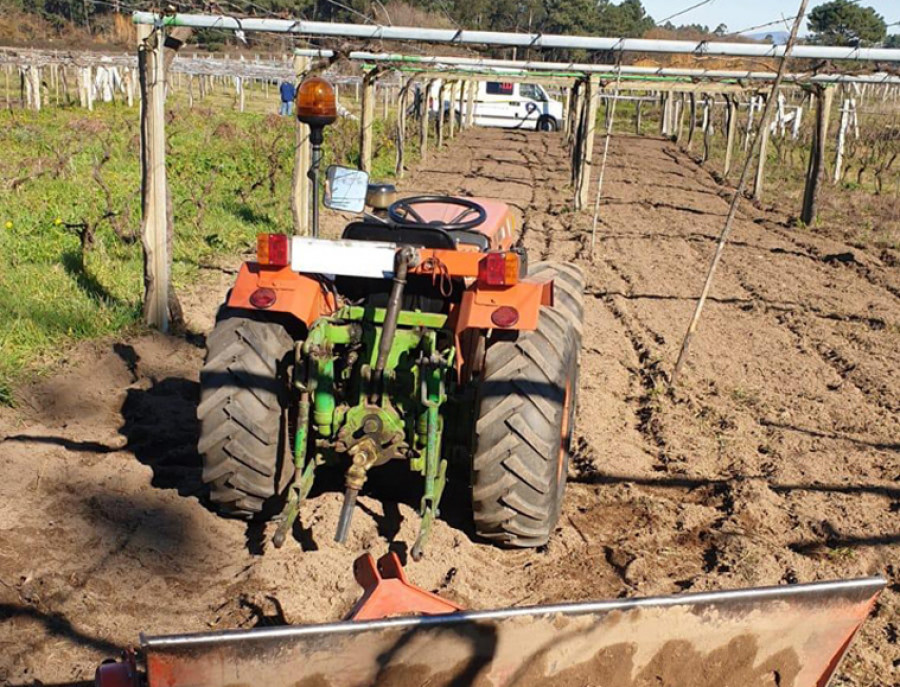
(764,500)
(795,319)
(781,227)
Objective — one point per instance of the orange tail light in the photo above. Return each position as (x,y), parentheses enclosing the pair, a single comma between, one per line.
(273,250)
(499,269)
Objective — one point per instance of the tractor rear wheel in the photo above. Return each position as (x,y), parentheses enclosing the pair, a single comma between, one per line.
(244,397)
(524,423)
(568,288)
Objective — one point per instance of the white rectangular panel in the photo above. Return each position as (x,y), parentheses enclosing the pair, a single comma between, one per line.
(347,258)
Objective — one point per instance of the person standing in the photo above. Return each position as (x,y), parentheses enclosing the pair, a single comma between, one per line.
(288,92)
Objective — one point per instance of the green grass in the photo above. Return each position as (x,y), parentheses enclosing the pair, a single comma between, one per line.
(230,178)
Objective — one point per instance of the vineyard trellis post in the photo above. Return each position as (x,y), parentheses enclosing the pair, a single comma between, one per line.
(366,121)
(423,120)
(664,113)
(759,179)
(402,106)
(34,76)
(637,117)
(816,168)
(591,103)
(846,106)
(439,116)
(709,103)
(575,119)
(300,183)
(692,122)
(470,103)
(153,151)
(731,104)
(451,117)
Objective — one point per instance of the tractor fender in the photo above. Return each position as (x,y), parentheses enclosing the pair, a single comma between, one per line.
(295,294)
(479,304)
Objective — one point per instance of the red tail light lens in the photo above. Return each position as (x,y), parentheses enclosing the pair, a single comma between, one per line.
(498,269)
(263,298)
(505,316)
(273,250)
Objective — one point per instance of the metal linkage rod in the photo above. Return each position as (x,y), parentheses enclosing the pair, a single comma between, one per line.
(521,66)
(523,40)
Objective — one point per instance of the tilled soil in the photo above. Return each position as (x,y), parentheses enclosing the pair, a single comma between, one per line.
(776,460)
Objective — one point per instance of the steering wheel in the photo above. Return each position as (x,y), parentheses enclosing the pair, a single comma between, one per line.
(403,213)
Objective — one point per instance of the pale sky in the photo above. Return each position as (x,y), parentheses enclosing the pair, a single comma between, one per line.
(741,14)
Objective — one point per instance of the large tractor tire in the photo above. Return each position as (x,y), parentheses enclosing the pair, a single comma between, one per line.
(244,391)
(524,423)
(568,288)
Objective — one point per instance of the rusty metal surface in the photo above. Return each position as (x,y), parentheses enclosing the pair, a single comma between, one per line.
(791,636)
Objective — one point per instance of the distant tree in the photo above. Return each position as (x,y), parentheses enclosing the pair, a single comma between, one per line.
(841,22)
(569,16)
(628,18)
(721,30)
(892,41)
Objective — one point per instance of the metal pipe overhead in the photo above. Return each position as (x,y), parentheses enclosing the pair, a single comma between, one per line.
(522,66)
(523,40)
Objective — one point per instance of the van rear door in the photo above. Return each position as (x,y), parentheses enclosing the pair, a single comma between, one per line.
(495,105)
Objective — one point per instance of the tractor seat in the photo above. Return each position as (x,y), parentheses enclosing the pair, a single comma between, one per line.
(375,231)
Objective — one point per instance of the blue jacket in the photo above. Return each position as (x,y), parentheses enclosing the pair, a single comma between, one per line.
(287,91)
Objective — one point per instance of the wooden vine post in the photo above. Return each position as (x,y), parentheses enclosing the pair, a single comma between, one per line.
(679,135)
(423,121)
(153,152)
(300,184)
(575,121)
(439,115)
(664,113)
(34,87)
(637,117)
(731,103)
(470,103)
(402,106)
(451,116)
(366,121)
(583,185)
(692,124)
(708,105)
(816,169)
(763,154)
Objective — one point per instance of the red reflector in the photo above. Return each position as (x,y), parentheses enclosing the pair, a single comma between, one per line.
(273,249)
(505,316)
(498,269)
(264,298)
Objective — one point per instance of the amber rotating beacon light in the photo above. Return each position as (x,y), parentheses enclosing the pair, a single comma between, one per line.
(316,107)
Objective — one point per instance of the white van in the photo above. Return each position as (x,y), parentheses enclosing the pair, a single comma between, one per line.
(507,104)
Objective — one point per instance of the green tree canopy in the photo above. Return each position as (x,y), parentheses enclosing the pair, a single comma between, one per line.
(842,22)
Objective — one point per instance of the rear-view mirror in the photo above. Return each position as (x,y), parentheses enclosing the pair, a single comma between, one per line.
(345,189)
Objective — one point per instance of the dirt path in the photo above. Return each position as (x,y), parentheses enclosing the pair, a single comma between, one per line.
(776,462)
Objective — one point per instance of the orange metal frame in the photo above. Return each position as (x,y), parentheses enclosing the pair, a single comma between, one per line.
(298,295)
(304,298)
